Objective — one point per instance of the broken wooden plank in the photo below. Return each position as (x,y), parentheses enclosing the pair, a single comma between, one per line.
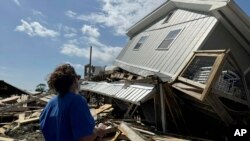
(167,138)
(130,133)
(9,100)
(108,110)
(218,107)
(117,134)
(143,131)
(22,98)
(21,103)
(6,139)
(4,128)
(27,120)
(101,109)
(47,98)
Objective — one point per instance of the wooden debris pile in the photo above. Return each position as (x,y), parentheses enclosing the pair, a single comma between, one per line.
(19,120)
(19,115)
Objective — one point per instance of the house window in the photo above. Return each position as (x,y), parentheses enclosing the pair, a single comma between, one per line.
(172,35)
(140,42)
(168,17)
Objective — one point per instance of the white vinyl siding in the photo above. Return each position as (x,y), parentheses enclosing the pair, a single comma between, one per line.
(140,42)
(172,35)
(195,28)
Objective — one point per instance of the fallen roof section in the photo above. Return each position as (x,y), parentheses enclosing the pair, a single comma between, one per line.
(7,88)
(134,93)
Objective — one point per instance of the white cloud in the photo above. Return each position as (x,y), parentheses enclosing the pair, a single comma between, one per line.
(69,32)
(17,2)
(90,31)
(74,50)
(120,15)
(100,52)
(37,13)
(70,14)
(35,29)
(70,35)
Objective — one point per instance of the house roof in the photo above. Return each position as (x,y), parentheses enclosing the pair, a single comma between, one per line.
(8,89)
(226,11)
(136,93)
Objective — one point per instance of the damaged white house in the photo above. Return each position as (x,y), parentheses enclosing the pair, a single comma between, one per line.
(198,49)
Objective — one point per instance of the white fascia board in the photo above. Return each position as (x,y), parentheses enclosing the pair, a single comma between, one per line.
(197,5)
(150,18)
(200,5)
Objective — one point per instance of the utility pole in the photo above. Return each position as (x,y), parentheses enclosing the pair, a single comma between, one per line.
(90,59)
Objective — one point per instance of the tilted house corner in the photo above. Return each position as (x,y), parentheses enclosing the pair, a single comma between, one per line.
(200,46)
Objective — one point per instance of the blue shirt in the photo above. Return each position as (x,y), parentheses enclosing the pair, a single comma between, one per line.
(66,118)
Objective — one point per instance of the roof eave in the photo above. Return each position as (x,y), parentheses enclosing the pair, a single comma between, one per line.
(197,5)
(151,17)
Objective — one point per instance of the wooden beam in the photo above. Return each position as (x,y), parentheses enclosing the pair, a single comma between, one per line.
(219,109)
(6,139)
(130,133)
(233,98)
(128,110)
(28,120)
(21,103)
(210,51)
(144,131)
(117,134)
(189,92)
(101,109)
(157,112)
(163,110)
(191,82)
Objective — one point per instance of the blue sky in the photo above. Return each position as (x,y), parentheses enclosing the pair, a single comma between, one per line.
(38,35)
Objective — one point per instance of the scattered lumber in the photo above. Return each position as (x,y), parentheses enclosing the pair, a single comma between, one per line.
(6,139)
(101,109)
(130,133)
(9,100)
(31,99)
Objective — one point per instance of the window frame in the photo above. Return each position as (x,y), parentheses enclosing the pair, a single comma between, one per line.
(168,17)
(167,39)
(140,42)
(221,56)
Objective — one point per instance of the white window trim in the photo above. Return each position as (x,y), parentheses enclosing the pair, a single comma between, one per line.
(174,39)
(147,36)
(168,17)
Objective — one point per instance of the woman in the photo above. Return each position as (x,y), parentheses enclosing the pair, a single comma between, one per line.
(66,117)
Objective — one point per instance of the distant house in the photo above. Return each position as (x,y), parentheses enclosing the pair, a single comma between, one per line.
(6,90)
(200,49)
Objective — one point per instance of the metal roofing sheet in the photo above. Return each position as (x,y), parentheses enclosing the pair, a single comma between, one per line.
(136,93)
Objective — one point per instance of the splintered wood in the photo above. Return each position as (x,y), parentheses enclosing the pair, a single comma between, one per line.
(19,111)
(26,109)
(101,109)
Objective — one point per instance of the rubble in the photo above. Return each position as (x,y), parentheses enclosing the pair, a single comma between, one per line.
(23,124)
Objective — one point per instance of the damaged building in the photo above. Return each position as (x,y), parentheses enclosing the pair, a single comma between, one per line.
(185,69)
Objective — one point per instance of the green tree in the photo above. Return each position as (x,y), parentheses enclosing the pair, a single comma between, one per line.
(40,87)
